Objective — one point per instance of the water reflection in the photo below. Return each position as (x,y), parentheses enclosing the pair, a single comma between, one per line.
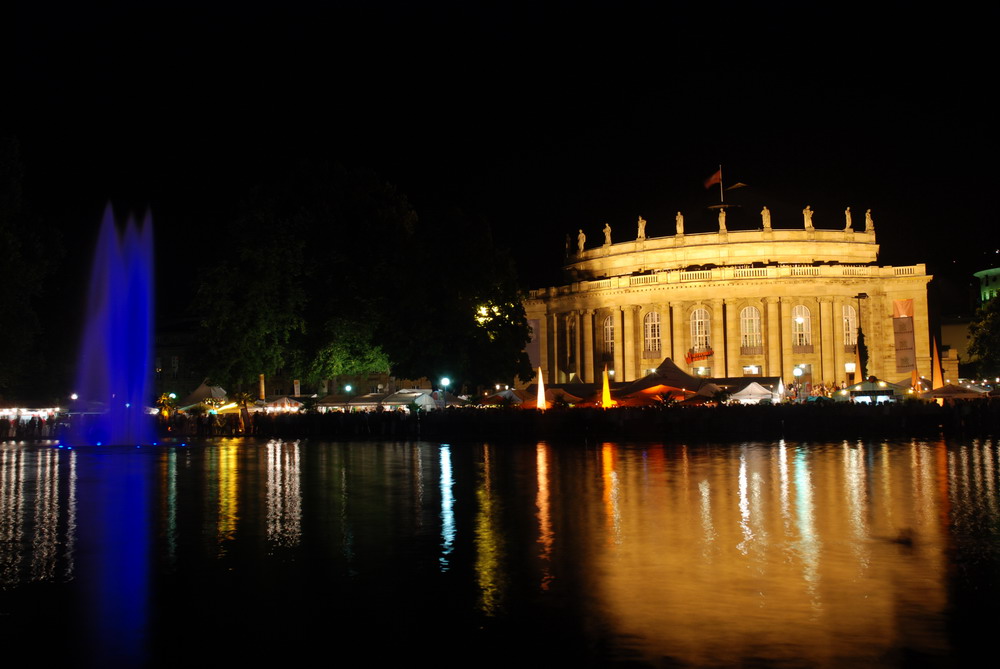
(827,553)
(38,510)
(447,507)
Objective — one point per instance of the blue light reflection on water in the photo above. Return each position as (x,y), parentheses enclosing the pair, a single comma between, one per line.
(114,531)
(817,553)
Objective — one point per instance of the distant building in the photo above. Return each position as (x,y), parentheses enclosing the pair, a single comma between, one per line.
(766,302)
(989,283)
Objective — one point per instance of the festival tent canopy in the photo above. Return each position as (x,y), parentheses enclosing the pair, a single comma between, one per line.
(654,395)
(201,393)
(669,374)
(509,396)
(552,395)
(752,394)
(955,392)
(873,389)
(283,403)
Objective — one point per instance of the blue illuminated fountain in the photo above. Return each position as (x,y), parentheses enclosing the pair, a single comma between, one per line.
(114,380)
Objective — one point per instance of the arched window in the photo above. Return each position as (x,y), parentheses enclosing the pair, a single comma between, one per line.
(850,326)
(801,326)
(750,336)
(651,331)
(700,330)
(609,336)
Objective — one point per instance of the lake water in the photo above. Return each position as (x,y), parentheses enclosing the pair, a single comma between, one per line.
(472,554)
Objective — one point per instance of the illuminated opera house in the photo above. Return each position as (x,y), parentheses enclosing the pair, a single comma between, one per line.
(765,302)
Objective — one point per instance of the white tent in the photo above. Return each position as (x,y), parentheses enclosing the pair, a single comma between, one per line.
(753,394)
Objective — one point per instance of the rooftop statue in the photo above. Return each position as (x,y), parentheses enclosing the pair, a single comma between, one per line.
(642,228)
(869,223)
(679,219)
(581,239)
(722,220)
(847,219)
(607,234)
(765,217)
(807,216)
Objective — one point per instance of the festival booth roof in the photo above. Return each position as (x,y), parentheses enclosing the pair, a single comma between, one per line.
(875,388)
(753,393)
(335,400)
(670,375)
(283,403)
(653,396)
(955,392)
(735,384)
(552,395)
(509,396)
(367,401)
(200,394)
(450,399)
(423,398)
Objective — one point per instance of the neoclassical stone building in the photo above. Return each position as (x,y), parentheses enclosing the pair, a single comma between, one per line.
(765,302)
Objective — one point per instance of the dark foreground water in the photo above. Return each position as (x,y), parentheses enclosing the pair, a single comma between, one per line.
(469,554)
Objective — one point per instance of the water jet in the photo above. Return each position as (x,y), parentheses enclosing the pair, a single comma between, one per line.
(114,379)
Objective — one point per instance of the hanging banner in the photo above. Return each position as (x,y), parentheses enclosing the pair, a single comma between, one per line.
(902,332)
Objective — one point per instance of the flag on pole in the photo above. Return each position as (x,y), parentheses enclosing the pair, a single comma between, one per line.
(714,179)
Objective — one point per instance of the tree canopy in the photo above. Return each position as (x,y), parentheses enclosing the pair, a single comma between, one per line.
(329,271)
(984,338)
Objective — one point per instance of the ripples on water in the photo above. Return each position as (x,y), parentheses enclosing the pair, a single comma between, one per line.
(471,554)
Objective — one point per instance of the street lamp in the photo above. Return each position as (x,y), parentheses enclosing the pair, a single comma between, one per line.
(445,382)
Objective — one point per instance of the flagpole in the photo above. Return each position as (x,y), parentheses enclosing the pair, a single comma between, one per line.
(722,193)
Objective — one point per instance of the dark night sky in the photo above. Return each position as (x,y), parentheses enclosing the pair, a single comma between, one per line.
(543,117)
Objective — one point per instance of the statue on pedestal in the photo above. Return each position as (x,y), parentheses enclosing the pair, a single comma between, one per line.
(869,223)
(765,217)
(807,216)
(679,219)
(642,228)
(607,234)
(847,219)
(581,239)
(722,220)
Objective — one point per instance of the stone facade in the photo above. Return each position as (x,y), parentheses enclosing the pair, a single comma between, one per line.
(768,302)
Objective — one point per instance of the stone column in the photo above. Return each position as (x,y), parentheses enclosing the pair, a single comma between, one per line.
(827,340)
(588,346)
(785,325)
(718,339)
(553,376)
(838,353)
(733,355)
(543,345)
(680,334)
(568,319)
(618,360)
(578,357)
(773,336)
(630,352)
(878,349)
(666,341)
